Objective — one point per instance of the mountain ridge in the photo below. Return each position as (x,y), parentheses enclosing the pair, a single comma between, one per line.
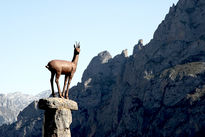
(157,91)
(12,103)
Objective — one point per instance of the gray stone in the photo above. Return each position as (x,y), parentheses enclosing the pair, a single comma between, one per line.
(12,103)
(57,103)
(57,116)
(160,91)
(138,46)
(97,65)
(28,124)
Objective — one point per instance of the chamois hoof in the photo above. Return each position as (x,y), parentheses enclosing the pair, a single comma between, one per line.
(61,96)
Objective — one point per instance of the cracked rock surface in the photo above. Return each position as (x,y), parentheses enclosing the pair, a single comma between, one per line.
(57,116)
(158,91)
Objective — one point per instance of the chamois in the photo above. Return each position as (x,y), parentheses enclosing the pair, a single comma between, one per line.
(63,67)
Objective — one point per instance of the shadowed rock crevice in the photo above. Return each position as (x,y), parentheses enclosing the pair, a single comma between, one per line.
(158,91)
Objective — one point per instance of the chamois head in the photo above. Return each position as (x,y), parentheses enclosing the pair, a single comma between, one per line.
(77,48)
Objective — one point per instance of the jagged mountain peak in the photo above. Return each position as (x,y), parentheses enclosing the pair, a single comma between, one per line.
(12,103)
(96,65)
(104,56)
(158,91)
(125,53)
(184,22)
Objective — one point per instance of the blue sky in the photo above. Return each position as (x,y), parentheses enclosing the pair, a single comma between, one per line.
(33,32)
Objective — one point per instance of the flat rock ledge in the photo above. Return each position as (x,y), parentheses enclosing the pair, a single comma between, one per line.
(57,116)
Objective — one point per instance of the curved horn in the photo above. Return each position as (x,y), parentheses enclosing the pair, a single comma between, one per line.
(78,44)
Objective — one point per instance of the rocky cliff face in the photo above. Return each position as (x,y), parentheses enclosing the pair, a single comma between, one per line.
(11,104)
(28,124)
(96,66)
(158,91)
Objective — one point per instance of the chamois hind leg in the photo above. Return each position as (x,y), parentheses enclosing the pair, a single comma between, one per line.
(51,80)
(58,86)
(70,78)
(65,81)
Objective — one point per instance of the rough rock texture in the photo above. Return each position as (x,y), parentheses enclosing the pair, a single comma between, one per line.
(159,91)
(11,104)
(57,103)
(96,65)
(138,46)
(57,116)
(28,124)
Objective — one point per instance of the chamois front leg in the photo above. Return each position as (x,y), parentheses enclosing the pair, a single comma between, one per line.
(69,81)
(58,86)
(65,81)
(51,80)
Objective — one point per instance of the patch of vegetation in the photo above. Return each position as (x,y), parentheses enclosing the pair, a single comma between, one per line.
(179,71)
(197,95)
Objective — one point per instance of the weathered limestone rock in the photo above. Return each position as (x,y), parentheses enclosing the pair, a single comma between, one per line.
(138,46)
(159,91)
(97,66)
(57,116)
